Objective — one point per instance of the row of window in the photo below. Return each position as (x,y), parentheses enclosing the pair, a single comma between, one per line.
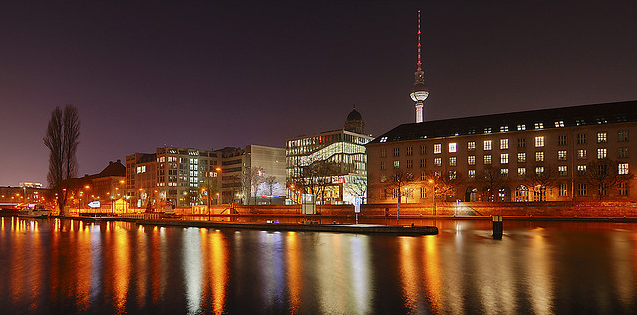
(602,153)
(521,192)
(487,145)
(562,170)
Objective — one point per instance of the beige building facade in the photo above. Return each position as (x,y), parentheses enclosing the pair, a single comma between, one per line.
(541,155)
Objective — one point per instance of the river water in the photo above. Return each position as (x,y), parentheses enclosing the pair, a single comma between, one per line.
(66,267)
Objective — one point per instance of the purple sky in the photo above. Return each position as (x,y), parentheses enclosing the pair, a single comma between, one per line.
(208,76)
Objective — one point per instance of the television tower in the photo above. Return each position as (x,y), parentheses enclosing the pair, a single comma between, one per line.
(420,92)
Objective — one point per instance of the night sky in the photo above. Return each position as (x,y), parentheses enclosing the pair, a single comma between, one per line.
(192,74)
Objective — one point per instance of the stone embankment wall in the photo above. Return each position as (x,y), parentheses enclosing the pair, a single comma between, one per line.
(582,209)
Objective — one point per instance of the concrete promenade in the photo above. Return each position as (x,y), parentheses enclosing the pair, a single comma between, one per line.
(338,228)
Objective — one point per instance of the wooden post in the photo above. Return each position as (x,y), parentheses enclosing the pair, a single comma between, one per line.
(497,227)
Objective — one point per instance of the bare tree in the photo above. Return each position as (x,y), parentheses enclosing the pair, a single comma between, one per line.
(315,178)
(251,178)
(493,179)
(61,139)
(443,185)
(397,181)
(543,177)
(270,181)
(604,174)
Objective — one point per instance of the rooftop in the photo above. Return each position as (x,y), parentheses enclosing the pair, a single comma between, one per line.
(594,114)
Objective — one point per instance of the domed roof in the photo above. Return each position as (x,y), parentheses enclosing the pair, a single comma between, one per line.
(354,115)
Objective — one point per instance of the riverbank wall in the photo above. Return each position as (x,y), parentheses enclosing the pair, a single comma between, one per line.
(555,209)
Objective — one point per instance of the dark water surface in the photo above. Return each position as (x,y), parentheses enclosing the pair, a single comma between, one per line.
(67,267)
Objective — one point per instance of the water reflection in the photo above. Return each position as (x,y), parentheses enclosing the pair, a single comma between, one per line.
(63,266)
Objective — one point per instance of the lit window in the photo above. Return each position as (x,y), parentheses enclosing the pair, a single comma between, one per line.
(471,145)
(581,154)
(487,159)
(437,161)
(487,130)
(383,139)
(452,147)
(504,128)
(423,176)
(601,137)
(396,164)
(561,155)
(562,170)
(521,171)
(601,153)
(559,124)
(521,157)
(539,125)
(504,144)
(622,169)
(521,127)
(437,148)
(539,156)
(487,145)
(471,160)
(562,189)
(539,169)
(504,172)
(472,173)
(504,158)
(453,175)
(452,161)
(539,141)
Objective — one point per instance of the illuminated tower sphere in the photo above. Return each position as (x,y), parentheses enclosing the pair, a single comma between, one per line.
(354,122)
(420,91)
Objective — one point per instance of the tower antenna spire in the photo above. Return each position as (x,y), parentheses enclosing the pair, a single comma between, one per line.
(419,64)
(419,92)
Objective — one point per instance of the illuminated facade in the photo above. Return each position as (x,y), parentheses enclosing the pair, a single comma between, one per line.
(345,148)
(185,176)
(236,183)
(169,176)
(519,146)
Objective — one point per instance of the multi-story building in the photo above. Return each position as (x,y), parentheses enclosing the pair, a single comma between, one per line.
(253,175)
(185,176)
(344,148)
(26,193)
(169,176)
(535,155)
(110,183)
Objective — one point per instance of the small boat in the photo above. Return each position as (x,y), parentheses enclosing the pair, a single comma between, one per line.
(36,211)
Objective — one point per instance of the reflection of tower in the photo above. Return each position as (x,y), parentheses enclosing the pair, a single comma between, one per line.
(354,122)
(420,91)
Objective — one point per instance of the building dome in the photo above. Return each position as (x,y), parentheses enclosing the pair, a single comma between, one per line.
(354,115)
(354,122)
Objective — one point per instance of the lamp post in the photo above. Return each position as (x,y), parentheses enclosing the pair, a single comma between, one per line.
(433,194)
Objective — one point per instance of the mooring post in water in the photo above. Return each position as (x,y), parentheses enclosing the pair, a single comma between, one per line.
(497,227)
